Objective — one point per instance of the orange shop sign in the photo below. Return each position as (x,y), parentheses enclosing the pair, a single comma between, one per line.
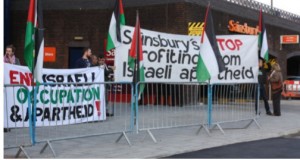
(49,54)
(289,39)
(242,28)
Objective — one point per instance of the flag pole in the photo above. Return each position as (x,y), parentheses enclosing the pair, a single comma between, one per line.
(33,95)
(137,52)
(137,65)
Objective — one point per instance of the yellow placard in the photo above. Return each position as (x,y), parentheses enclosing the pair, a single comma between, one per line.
(195,28)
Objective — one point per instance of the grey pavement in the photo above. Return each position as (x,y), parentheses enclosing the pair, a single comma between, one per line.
(170,141)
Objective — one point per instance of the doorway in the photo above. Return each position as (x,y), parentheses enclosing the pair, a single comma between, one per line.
(74,54)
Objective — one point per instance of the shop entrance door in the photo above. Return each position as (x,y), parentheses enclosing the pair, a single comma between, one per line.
(74,54)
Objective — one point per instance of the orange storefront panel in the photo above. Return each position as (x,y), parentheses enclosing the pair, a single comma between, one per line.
(49,54)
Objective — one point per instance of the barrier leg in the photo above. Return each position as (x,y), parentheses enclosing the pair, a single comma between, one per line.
(151,135)
(258,125)
(50,146)
(127,139)
(205,128)
(21,149)
(251,121)
(220,128)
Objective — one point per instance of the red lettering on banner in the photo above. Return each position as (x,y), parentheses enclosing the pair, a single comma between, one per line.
(12,77)
(23,78)
(231,44)
(220,41)
(238,43)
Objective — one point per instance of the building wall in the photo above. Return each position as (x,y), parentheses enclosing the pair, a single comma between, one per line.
(61,26)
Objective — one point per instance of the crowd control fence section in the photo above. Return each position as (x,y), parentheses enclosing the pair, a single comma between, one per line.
(18,130)
(76,110)
(170,105)
(233,103)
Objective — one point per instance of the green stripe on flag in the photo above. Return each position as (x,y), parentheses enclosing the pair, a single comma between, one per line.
(266,56)
(131,62)
(260,40)
(122,19)
(110,44)
(202,72)
(29,46)
(142,79)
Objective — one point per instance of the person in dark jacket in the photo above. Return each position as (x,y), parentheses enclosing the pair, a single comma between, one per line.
(84,61)
(262,79)
(107,71)
(94,61)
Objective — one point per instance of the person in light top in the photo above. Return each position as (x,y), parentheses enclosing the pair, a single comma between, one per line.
(10,55)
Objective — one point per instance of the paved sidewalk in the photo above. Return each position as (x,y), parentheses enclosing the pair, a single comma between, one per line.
(170,141)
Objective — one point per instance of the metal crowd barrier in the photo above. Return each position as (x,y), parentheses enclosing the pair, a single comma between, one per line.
(18,129)
(233,103)
(170,105)
(75,110)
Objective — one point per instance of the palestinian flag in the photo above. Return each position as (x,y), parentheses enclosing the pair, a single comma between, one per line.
(116,22)
(262,39)
(29,36)
(34,40)
(210,62)
(135,57)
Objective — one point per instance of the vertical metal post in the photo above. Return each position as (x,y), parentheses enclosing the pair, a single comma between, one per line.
(34,111)
(209,111)
(258,100)
(132,107)
(30,118)
(271,4)
(136,96)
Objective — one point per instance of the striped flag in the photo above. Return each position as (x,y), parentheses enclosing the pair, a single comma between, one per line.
(262,39)
(135,57)
(210,62)
(34,39)
(116,22)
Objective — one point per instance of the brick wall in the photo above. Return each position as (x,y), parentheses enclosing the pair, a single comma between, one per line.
(61,26)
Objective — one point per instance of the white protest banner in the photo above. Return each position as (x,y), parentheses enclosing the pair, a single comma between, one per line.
(167,57)
(173,58)
(57,104)
(240,55)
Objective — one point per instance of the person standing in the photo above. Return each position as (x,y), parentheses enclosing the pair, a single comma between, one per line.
(94,61)
(84,61)
(107,72)
(275,79)
(10,58)
(262,79)
(10,55)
